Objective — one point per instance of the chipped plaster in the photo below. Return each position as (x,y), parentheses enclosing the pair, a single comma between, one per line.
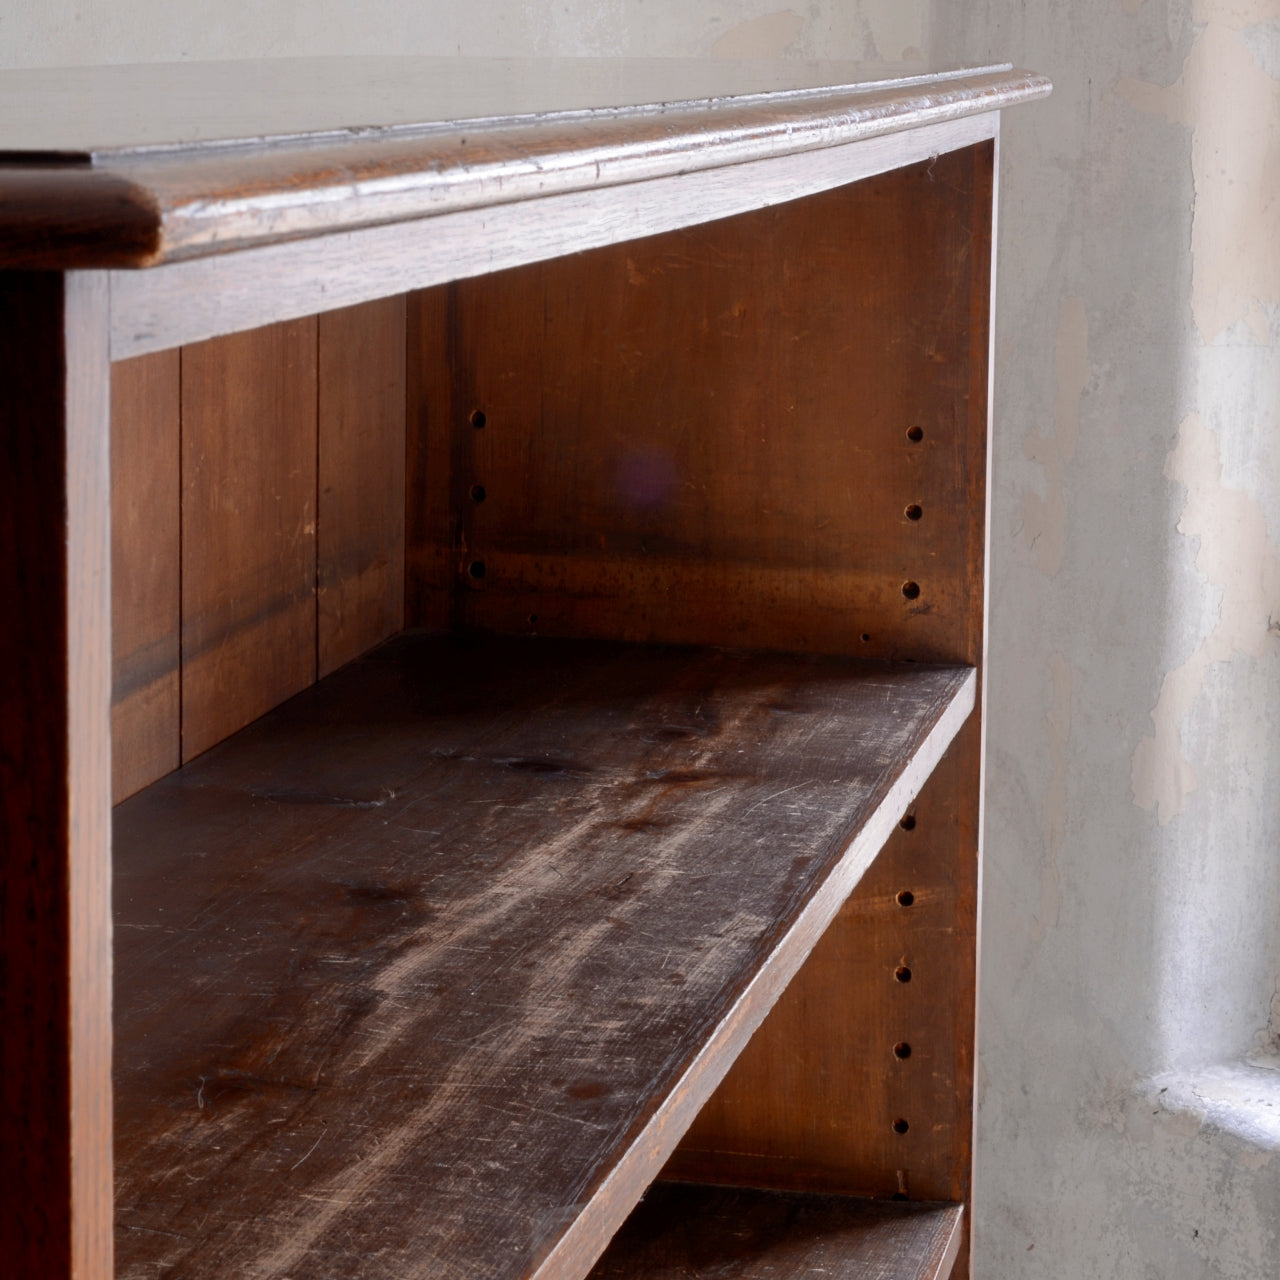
(1236,557)
(1232,105)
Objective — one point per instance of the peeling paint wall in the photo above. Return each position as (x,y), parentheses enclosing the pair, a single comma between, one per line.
(1130,1007)
(1131,920)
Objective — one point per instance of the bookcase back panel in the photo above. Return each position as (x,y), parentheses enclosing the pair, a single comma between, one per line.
(146,569)
(860,1079)
(767,431)
(257,525)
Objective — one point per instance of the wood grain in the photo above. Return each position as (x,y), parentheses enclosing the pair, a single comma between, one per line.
(200,298)
(703,437)
(209,199)
(55,778)
(814,1100)
(248,527)
(146,566)
(688,1232)
(360,548)
(818,1111)
(478,927)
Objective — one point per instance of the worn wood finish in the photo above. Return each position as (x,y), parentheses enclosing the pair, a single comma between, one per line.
(761,488)
(146,729)
(203,297)
(819,1111)
(55,778)
(478,928)
(839,1111)
(210,199)
(685,1232)
(361,469)
(248,527)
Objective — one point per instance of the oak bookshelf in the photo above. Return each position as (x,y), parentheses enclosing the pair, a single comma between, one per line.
(491,711)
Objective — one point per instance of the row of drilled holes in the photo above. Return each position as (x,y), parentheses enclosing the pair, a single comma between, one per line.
(914,511)
(910,590)
(902,1050)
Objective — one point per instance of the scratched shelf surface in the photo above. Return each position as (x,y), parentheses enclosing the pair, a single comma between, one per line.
(427,971)
(686,1232)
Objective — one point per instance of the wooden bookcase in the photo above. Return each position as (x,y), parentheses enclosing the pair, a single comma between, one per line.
(495,612)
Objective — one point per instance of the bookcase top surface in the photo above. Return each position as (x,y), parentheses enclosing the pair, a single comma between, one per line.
(83,113)
(134,165)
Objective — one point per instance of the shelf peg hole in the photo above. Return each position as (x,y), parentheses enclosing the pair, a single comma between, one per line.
(914,511)
(902,973)
(906,898)
(915,434)
(476,569)
(902,1050)
(866,637)
(478,418)
(900,1126)
(477,493)
(908,822)
(911,590)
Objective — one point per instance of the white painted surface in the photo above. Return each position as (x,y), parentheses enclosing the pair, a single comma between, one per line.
(1133,815)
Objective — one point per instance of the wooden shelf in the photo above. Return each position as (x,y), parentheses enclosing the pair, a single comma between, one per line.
(688,1232)
(426,971)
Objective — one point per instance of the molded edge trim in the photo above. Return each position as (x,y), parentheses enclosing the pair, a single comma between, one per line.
(143,208)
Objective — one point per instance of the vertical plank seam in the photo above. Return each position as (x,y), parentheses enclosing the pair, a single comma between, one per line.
(182,610)
(315,542)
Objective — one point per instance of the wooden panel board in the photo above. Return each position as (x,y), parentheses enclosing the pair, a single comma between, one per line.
(820,1098)
(146,732)
(137,208)
(201,298)
(478,928)
(55,778)
(248,527)
(682,1232)
(360,549)
(704,436)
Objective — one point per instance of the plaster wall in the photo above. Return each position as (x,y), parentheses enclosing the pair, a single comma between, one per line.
(1130,1002)
(1128,1123)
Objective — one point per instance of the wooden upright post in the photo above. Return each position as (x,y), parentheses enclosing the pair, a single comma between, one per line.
(55,777)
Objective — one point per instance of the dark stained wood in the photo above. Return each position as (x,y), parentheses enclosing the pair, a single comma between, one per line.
(55,779)
(146,730)
(689,1232)
(142,206)
(433,511)
(248,527)
(75,216)
(703,436)
(813,1101)
(477,927)
(817,1111)
(360,546)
